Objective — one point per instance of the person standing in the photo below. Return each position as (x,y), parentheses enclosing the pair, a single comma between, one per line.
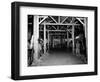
(77,48)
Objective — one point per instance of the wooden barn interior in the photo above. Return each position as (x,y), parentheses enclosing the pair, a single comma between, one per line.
(59,35)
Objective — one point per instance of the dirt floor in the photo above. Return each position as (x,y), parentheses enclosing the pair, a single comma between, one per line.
(57,57)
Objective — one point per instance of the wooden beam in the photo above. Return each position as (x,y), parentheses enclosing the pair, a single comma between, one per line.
(36,36)
(67,39)
(85,26)
(69,31)
(80,20)
(86,35)
(42,16)
(56,30)
(73,39)
(59,24)
(54,27)
(64,19)
(43,19)
(57,34)
(44,39)
(53,19)
(48,40)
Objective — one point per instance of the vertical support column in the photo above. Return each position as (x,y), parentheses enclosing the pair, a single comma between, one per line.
(48,40)
(73,38)
(67,39)
(85,26)
(45,39)
(36,36)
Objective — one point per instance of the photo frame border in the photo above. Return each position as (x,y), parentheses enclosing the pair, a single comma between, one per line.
(15,39)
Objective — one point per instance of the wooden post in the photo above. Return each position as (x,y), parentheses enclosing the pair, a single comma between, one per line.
(45,39)
(48,40)
(85,27)
(36,36)
(73,38)
(67,39)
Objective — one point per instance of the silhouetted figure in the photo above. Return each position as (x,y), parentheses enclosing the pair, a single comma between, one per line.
(77,48)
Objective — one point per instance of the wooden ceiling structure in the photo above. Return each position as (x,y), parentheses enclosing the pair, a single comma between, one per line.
(56,24)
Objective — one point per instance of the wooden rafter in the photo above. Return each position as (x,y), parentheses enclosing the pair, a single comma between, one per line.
(70,31)
(43,19)
(59,24)
(64,19)
(41,16)
(54,27)
(53,19)
(80,20)
(57,34)
(55,30)
(73,38)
